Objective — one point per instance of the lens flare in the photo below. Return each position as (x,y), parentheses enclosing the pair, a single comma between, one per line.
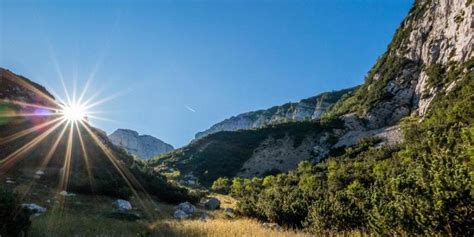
(74,112)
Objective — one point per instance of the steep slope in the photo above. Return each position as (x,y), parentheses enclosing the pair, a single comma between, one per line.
(306,109)
(436,36)
(39,151)
(427,57)
(226,153)
(141,146)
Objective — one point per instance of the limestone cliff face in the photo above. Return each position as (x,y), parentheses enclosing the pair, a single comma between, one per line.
(306,109)
(142,146)
(435,33)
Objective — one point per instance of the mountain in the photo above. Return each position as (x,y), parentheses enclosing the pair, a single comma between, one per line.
(142,146)
(421,88)
(434,38)
(40,150)
(306,109)
(429,56)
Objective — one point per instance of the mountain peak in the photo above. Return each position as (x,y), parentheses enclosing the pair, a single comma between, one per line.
(142,146)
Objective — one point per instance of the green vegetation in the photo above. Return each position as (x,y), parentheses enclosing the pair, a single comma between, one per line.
(221,185)
(421,187)
(14,220)
(222,154)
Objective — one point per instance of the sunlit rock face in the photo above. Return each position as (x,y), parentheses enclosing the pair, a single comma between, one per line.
(435,32)
(141,146)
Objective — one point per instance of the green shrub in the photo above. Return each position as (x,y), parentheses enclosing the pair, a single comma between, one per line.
(221,185)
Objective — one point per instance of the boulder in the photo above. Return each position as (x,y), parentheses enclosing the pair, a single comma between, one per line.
(229,212)
(180,214)
(66,194)
(34,208)
(39,172)
(213,204)
(123,205)
(204,217)
(186,207)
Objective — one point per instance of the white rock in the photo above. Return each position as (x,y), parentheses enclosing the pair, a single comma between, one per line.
(34,207)
(140,146)
(229,212)
(123,205)
(187,207)
(66,194)
(180,214)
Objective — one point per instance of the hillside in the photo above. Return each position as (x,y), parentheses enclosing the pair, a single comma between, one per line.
(227,153)
(37,146)
(424,61)
(422,184)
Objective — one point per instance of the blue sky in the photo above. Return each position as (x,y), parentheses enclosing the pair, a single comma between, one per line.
(180,66)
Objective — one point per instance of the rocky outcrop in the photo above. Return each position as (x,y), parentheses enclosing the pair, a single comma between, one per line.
(282,155)
(436,32)
(306,109)
(141,146)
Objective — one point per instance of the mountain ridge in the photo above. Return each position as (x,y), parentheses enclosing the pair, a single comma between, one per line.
(306,109)
(142,146)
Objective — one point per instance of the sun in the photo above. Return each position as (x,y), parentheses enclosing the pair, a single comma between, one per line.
(74,112)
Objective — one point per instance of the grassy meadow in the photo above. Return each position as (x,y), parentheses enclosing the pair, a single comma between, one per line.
(95,216)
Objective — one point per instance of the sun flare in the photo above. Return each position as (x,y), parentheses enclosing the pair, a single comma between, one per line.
(74,112)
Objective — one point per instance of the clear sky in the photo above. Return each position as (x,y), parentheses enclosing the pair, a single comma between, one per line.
(180,66)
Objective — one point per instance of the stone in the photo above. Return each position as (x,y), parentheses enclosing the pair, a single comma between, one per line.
(180,214)
(34,208)
(39,172)
(66,194)
(123,205)
(229,212)
(204,217)
(213,204)
(186,207)
(141,146)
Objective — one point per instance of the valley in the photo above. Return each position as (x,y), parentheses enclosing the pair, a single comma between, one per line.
(391,157)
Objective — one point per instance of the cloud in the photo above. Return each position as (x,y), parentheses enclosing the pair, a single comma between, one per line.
(190,109)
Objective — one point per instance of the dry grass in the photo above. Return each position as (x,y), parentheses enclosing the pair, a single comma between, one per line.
(218,228)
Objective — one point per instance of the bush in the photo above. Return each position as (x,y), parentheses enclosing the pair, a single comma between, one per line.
(221,185)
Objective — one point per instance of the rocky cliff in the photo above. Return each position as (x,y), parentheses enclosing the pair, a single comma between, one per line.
(435,37)
(306,109)
(142,146)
